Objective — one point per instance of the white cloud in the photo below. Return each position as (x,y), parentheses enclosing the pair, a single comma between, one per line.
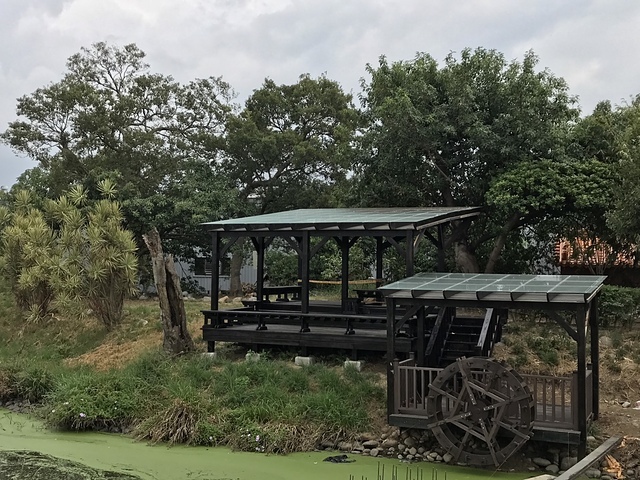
(591,43)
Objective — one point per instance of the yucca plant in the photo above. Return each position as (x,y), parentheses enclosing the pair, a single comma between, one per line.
(98,264)
(28,256)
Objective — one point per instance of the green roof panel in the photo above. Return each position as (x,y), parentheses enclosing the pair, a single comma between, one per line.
(346,219)
(497,287)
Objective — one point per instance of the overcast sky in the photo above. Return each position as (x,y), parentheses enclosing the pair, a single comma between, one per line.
(593,44)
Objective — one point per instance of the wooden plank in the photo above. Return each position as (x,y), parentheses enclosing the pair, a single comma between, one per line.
(593,457)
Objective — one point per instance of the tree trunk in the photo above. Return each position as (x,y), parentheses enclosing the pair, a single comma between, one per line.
(465,259)
(174,317)
(501,239)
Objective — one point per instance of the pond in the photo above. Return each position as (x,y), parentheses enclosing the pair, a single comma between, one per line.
(122,454)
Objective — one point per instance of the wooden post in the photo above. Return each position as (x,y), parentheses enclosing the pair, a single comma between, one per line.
(441,264)
(344,248)
(420,344)
(595,358)
(379,259)
(391,355)
(409,253)
(260,248)
(304,271)
(582,380)
(215,269)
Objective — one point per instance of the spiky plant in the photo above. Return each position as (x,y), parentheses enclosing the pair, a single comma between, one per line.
(28,256)
(98,265)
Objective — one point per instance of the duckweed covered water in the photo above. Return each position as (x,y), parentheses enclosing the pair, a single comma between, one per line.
(105,453)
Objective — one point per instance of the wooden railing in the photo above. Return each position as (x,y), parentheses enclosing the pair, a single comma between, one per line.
(552,395)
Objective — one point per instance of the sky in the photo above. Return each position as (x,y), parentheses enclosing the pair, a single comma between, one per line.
(592,44)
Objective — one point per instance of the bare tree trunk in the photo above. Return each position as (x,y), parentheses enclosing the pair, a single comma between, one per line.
(174,317)
(501,239)
(465,259)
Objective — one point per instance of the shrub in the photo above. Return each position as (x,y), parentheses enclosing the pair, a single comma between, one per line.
(84,400)
(618,306)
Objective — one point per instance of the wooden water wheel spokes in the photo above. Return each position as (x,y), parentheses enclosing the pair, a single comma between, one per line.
(480,411)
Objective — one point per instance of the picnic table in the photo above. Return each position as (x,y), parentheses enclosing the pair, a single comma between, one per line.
(282,292)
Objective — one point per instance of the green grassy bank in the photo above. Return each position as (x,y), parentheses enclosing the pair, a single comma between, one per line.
(81,377)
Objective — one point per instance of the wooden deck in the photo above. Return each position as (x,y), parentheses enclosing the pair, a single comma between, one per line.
(282,323)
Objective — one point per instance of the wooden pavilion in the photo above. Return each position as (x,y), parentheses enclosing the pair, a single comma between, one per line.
(284,314)
(561,408)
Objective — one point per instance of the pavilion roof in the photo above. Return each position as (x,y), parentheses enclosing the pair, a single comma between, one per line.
(346,219)
(497,287)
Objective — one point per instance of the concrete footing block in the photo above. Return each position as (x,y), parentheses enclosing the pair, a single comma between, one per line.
(304,361)
(357,364)
(252,357)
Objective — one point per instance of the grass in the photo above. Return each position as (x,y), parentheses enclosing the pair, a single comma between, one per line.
(85,378)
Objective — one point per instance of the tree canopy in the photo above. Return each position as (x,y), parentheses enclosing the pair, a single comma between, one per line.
(110,117)
(478,130)
(474,130)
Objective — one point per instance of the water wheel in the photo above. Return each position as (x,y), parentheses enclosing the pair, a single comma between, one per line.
(480,411)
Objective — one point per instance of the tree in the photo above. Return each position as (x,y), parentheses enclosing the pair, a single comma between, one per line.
(622,143)
(110,117)
(289,146)
(476,131)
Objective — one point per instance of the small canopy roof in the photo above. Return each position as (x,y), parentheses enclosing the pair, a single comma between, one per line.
(341,219)
(497,287)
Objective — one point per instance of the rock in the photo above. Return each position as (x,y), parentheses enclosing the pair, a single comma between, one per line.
(412,451)
(327,444)
(374,452)
(447,457)
(409,442)
(304,361)
(390,442)
(401,447)
(567,462)
(439,458)
(224,299)
(541,462)
(355,364)
(552,469)
(421,450)
(237,300)
(370,444)
(432,455)
(345,446)
(532,469)
(626,404)
(593,473)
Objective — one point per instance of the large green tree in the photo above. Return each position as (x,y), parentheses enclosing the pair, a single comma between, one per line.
(288,148)
(290,143)
(156,139)
(621,142)
(477,130)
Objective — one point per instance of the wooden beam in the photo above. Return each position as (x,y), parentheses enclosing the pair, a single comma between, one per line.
(228,245)
(316,248)
(594,457)
(564,324)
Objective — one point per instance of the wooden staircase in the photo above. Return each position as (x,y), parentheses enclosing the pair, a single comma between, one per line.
(454,336)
